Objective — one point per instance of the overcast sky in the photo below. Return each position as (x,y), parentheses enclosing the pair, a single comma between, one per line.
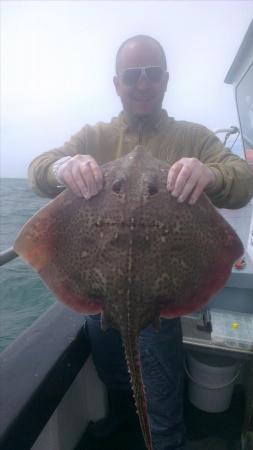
(57,64)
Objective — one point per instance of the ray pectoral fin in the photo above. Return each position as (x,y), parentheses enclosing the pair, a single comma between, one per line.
(34,248)
(192,298)
(42,242)
(68,292)
(40,256)
(64,288)
(35,241)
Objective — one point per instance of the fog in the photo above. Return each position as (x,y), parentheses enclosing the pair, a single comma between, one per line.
(57,65)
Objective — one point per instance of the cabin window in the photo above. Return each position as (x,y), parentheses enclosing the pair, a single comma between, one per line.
(244,99)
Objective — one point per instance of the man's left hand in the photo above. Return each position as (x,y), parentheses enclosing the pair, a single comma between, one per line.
(187,179)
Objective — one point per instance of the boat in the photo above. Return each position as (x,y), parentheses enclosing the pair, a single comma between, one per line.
(49,386)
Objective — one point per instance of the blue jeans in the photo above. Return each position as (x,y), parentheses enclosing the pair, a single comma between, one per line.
(162,368)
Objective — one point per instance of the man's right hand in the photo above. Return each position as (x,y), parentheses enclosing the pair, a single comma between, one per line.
(82,175)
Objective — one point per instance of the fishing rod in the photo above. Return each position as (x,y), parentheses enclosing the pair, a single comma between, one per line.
(7,256)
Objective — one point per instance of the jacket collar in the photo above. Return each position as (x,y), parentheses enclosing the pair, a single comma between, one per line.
(158,125)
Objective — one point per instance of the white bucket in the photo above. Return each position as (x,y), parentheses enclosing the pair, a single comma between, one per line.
(212,380)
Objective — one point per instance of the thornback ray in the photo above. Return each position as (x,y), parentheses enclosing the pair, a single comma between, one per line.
(132,252)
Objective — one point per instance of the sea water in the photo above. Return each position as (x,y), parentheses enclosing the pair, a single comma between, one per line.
(23,296)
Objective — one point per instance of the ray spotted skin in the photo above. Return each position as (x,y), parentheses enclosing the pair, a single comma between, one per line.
(132,252)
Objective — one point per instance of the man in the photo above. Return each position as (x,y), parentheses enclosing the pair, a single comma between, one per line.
(198,163)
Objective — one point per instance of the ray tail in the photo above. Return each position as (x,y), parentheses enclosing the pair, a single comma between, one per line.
(132,353)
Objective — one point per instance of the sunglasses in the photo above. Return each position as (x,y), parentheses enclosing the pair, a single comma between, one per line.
(131,76)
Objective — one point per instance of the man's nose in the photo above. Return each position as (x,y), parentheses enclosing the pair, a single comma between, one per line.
(143,82)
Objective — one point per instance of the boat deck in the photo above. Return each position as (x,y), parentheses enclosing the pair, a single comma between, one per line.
(209,431)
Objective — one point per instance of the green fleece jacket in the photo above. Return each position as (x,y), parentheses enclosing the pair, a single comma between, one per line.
(168,140)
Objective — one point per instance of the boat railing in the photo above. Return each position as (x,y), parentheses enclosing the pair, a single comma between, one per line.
(228,132)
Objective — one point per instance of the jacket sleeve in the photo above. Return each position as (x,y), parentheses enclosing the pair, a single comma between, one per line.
(40,173)
(234,178)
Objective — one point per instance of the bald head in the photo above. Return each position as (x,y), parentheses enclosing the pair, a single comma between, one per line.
(137,50)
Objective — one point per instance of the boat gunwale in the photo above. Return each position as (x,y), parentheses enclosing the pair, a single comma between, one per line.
(36,371)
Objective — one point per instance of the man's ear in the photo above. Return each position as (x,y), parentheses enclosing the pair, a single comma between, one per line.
(116,83)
